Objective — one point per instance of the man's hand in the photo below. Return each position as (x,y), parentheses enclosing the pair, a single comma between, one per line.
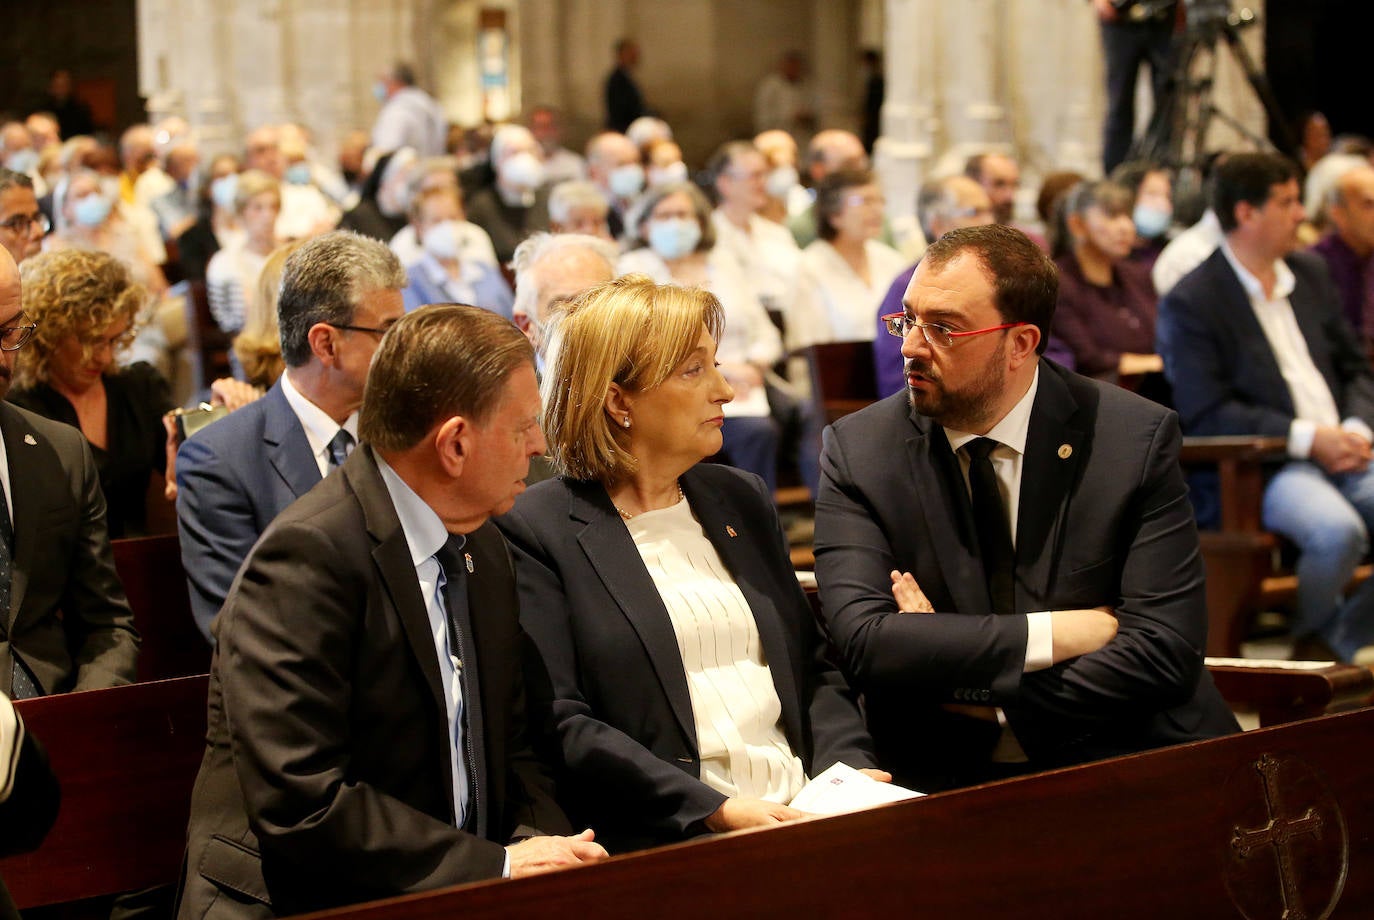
(1105,11)
(233,394)
(1078,632)
(909,596)
(1131,364)
(545,854)
(1339,451)
(738,813)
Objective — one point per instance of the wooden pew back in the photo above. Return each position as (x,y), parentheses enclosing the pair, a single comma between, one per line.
(155,583)
(126,758)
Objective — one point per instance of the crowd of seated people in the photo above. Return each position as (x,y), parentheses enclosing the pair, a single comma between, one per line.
(691,690)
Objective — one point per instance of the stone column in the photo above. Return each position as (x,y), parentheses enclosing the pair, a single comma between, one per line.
(972,75)
(904,152)
(542,69)
(834,61)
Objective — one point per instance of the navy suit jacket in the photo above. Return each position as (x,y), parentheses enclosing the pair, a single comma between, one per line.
(1104,518)
(233,478)
(1224,374)
(622,710)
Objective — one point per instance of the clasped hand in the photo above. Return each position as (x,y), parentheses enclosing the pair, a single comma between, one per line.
(536,855)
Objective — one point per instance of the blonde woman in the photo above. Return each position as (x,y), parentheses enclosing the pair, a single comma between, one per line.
(258,346)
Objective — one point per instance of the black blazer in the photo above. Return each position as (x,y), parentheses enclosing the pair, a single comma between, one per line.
(622,710)
(1224,374)
(1104,518)
(327,778)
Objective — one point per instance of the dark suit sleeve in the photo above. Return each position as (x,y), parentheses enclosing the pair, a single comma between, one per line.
(931,655)
(216,525)
(605,763)
(96,614)
(287,651)
(1202,372)
(1155,661)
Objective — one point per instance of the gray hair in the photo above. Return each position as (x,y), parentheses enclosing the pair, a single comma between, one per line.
(539,246)
(571,194)
(506,136)
(325,280)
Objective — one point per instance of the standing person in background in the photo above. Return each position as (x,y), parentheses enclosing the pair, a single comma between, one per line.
(785,100)
(410,117)
(624,102)
(1131,36)
(560,163)
(875,88)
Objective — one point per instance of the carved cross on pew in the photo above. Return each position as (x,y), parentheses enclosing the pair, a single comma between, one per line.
(1278,833)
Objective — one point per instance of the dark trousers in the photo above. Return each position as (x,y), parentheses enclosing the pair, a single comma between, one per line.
(1124,46)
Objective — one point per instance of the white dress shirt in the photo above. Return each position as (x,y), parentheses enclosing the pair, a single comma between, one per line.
(319,427)
(846,306)
(1186,252)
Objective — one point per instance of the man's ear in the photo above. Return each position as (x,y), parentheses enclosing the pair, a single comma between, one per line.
(324,340)
(1024,340)
(453,444)
(619,404)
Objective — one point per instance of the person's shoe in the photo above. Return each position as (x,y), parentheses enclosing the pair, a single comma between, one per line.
(1313,648)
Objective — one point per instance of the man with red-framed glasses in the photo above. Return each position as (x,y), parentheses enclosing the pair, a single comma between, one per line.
(1006,554)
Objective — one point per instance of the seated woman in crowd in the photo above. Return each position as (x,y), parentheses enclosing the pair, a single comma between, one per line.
(848,269)
(258,346)
(1106,307)
(231,280)
(87,308)
(674,241)
(441,275)
(92,221)
(691,687)
(216,226)
(1152,190)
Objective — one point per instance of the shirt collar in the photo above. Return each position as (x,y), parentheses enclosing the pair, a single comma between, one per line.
(319,427)
(1284,281)
(1011,430)
(424,531)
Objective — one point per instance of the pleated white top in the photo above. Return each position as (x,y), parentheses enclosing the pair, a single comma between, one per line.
(734,703)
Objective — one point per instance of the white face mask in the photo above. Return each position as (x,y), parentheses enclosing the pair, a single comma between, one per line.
(780,181)
(675,237)
(523,171)
(626,181)
(441,240)
(662,175)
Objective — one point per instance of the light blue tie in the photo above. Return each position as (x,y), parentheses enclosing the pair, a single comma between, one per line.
(339,447)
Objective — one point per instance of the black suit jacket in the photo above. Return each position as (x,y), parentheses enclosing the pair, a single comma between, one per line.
(1224,374)
(1104,518)
(327,777)
(622,711)
(68,619)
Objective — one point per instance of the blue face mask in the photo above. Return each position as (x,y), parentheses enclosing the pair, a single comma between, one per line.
(675,237)
(22,161)
(223,190)
(379,91)
(92,210)
(1151,222)
(298,174)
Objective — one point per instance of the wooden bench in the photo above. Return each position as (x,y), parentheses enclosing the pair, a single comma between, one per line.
(1288,691)
(126,758)
(843,379)
(1249,825)
(155,583)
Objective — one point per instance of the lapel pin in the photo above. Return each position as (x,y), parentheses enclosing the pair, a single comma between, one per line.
(30,439)
(467,557)
(1065,451)
(730,530)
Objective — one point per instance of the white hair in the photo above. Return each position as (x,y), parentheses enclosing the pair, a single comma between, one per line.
(538,247)
(507,136)
(575,193)
(646,128)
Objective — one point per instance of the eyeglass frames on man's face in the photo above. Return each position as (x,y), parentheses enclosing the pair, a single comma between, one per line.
(21,224)
(13,338)
(938,334)
(376,330)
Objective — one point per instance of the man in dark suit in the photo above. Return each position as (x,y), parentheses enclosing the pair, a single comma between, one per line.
(64,621)
(1254,342)
(1033,525)
(624,102)
(339,293)
(367,731)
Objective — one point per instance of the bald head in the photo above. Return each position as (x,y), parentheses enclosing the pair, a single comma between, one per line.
(778,146)
(950,204)
(1000,177)
(11,313)
(1352,209)
(833,150)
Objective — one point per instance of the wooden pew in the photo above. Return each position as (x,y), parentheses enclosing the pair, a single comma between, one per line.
(155,583)
(1288,691)
(1234,827)
(126,758)
(843,379)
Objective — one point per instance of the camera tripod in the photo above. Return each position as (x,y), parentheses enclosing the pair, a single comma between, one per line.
(1184,114)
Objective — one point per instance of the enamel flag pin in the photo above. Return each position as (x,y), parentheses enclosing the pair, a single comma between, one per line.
(730,530)
(29,439)
(467,557)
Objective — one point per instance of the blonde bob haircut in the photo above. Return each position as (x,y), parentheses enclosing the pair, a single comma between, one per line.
(629,331)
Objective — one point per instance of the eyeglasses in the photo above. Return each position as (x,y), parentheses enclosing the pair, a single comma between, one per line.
(120,342)
(373,329)
(21,223)
(13,338)
(938,334)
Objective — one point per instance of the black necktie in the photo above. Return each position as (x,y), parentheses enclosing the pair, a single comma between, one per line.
(455,563)
(22,685)
(990,517)
(339,447)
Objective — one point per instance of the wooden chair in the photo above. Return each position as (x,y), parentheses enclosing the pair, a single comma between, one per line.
(843,378)
(206,343)
(155,583)
(126,759)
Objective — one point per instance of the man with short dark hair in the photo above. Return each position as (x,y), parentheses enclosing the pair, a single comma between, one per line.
(1254,343)
(367,706)
(1006,554)
(339,294)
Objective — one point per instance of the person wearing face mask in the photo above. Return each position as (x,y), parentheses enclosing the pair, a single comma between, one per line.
(674,242)
(381,209)
(786,195)
(441,275)
(1106,307)
(19,154)
(231,280)
(176,208)
(1153,214)
(664,157)
(514,206)
(92,221)
(216,224)
(577,207)
(614,166)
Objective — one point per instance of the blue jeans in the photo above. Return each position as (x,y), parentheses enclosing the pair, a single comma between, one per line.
(1329,517)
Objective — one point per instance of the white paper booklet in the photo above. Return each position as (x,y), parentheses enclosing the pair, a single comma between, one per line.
(841,789)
